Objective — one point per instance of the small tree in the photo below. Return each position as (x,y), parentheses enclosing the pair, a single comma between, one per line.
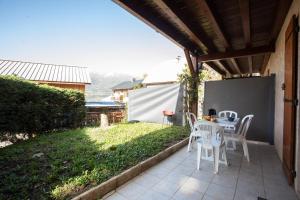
(190,82)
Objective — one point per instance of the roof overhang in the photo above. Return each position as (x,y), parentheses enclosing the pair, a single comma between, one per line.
(233,37)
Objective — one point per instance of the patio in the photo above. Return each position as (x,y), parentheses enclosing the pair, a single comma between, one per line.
(239,40)
(177,178)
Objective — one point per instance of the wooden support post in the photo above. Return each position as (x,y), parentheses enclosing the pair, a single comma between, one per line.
(193,99)
(194,102)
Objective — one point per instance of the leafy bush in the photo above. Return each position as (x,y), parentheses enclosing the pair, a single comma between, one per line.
(26,107)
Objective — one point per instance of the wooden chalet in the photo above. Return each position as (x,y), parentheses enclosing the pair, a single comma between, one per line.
(62,76)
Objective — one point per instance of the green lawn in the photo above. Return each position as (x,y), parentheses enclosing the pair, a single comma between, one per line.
(76,160)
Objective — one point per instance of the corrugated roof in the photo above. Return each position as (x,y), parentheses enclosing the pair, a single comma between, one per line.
(127,85)
(45,72)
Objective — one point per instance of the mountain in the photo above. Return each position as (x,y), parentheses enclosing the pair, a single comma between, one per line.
(102,84)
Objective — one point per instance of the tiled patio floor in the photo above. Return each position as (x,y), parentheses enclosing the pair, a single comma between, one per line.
(177,178)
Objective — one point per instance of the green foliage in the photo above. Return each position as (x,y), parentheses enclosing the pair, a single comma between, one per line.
(125,118)
(197,93)
(187,78)
(138,86)
(76,160)
(26,107)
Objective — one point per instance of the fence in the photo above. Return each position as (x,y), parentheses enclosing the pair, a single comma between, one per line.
(114,116)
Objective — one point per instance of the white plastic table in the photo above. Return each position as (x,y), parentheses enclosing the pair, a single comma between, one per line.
(229,127)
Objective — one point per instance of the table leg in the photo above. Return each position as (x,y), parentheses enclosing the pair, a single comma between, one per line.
(216,159)
(199,154)
(234,145)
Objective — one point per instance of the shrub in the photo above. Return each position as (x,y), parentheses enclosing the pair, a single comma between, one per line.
(26,107)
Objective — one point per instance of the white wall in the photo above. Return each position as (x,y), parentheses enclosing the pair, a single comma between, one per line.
(276,66)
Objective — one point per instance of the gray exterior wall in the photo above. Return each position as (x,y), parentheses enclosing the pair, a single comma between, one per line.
(245,96)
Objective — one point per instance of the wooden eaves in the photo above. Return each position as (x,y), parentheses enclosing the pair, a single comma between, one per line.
(232,37)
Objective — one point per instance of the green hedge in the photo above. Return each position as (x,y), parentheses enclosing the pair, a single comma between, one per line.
(26,107)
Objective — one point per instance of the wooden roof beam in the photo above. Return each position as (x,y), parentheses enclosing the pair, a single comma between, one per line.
(224,65)
(250,63)
(216,68)
(237,53)
(199,38)
(179,19)
(192,67)
(235,65)
(215,22)
(265,63)
(245,17)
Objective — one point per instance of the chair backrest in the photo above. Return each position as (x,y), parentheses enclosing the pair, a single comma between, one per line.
(244,126)
(228,113)
(191,117)
(207,130)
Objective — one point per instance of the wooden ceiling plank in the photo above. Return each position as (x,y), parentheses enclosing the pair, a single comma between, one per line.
(282,10)
(215,22)
(245,16)
(216,68)
(265,63)
(236,66)
(238,53)
(224,65)
(201,37)
(198,37)
(250,63)
(206,8)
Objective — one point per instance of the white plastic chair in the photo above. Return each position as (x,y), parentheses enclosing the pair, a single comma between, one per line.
(211,137)
(227,113)
(192,119)
(240,135)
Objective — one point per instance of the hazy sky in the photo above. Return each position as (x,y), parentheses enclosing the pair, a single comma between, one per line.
(98,34)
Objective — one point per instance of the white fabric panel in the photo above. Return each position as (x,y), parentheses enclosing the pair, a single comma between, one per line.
(148,104)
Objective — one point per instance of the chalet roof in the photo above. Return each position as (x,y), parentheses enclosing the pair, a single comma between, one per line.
(232,36)
(45,72)
(127,85)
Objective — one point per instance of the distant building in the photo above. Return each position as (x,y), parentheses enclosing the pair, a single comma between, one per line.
(62,76)
(120,91)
